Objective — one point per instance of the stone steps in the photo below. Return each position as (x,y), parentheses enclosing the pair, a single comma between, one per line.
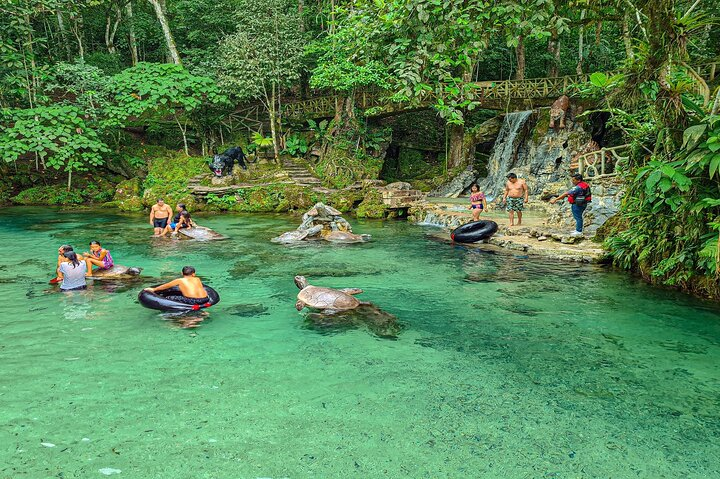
(300,175)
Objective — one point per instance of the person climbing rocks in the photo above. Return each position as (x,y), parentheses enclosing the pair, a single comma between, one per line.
(160,213)
(191,288)
(478,203)
(578,196)
(516,195)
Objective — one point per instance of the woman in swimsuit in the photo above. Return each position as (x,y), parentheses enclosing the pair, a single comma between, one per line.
(184,222)
(477,201)
(98,257)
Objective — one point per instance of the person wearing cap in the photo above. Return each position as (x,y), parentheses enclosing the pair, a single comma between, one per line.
(516,195)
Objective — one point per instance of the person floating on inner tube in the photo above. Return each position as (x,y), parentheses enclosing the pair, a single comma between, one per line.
(192,289)
(478,203)
(98,256)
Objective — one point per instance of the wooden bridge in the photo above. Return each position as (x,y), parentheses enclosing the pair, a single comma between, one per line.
(492,95)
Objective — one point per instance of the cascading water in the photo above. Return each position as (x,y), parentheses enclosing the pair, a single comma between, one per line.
(504,155)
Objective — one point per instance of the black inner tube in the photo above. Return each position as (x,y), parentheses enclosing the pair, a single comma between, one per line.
(474,231)
(160,300)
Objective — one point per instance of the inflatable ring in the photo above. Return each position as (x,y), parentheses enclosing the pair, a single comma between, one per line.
(474,231)
(159,300)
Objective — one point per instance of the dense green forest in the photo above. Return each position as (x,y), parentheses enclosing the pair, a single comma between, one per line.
(100,92)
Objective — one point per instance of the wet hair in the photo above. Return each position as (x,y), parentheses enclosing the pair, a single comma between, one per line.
(72,257)
(95,242)
(159,200)
(185,214)
(512,176)
(65,248)
(578,176)
(181,205)
(188,270)
(475,185)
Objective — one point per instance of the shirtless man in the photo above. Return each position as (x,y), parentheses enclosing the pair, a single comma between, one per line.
(192,289)
(516,195)
(160,213)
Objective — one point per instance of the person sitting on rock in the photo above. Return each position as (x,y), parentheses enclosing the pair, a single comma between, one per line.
(478,203)
(184,222)
(98,256)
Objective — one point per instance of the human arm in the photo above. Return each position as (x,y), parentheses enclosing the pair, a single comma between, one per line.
(164,286)
(484,203)
(571,191)
(507,190)
(152,215)
(525,190)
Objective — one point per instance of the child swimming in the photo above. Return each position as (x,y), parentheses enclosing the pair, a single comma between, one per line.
(477,201)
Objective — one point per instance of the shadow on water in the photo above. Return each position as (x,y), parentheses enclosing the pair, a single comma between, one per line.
(378,322)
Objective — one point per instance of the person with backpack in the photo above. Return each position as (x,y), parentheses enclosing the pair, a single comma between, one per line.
(578,196)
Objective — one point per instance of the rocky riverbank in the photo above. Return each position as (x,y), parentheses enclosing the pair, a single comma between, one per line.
(535,238)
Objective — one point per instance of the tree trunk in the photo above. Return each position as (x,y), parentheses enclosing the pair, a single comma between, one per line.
(627,40)
(456,155)
(581,46)
(554,51)
(131,34)
(77,29)
(520,52)
(63,34)
(110,31)
(159,6)
(273,129)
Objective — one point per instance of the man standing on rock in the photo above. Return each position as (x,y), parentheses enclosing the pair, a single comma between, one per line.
(578,196)
(516,195)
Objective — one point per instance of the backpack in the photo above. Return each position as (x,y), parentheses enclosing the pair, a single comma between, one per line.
(584,197)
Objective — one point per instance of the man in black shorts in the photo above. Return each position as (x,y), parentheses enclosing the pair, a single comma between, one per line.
(160,213)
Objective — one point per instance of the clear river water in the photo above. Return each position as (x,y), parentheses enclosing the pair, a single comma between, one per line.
(499,366)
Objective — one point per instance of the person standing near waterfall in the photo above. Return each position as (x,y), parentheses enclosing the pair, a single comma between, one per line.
(516,195)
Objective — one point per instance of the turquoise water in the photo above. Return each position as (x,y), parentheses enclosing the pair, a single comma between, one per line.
(501,367)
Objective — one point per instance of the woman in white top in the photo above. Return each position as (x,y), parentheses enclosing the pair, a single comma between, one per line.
(72,272)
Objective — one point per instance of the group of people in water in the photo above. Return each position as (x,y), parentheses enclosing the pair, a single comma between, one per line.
(73,268)
(515,198)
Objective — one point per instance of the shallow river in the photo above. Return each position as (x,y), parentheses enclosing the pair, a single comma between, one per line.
(500,367)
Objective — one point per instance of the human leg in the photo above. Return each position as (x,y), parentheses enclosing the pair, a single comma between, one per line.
(519,213)
(89,262)
(577,212)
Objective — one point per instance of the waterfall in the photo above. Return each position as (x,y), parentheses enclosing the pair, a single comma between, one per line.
(441,220)
(503,156)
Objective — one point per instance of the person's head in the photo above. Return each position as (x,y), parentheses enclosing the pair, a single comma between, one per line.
(576,178)
(160,201)
(64,249)
(512,177)
(95,246)
(185,214)
(71,257)
(181,206)
(188,271)
(474,188)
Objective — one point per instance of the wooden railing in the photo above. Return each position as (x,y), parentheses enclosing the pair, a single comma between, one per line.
(528,89)
(601,163)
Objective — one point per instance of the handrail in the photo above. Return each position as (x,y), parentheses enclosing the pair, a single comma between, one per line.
(591,168)
(530,88)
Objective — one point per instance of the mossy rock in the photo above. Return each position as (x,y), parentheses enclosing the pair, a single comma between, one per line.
(296,198)
(340,168)
(151,195)
(344,200)
(128,189)
(371,206)
(542,125)
(49,195)
(134,203)
(168,175)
